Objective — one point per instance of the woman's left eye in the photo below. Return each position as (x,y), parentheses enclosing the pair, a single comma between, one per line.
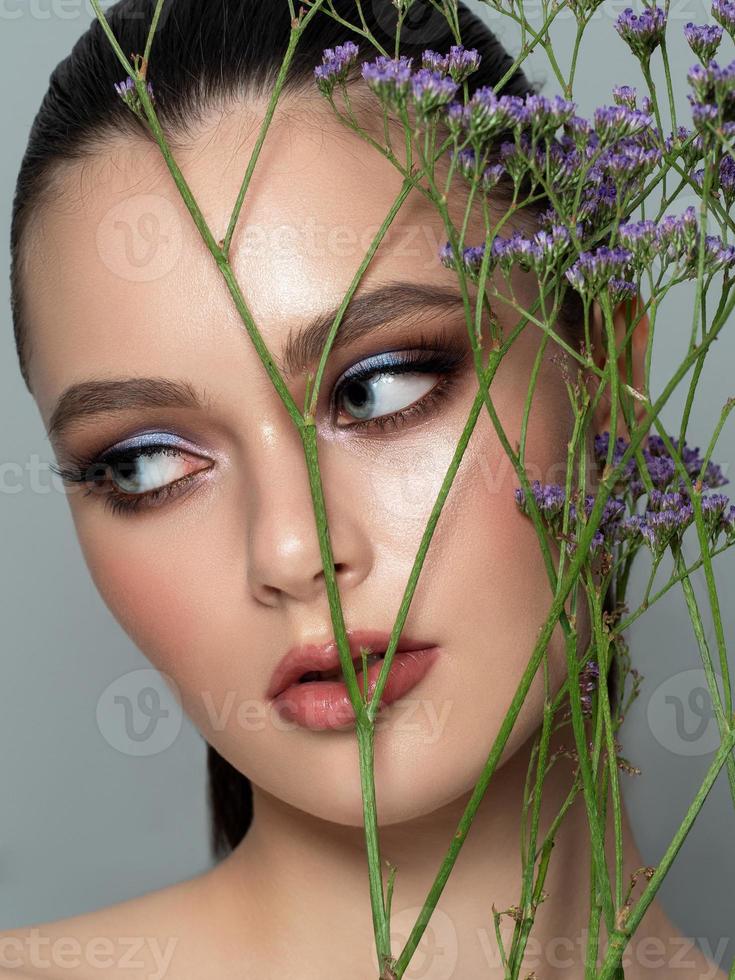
(387,390)
(140,475)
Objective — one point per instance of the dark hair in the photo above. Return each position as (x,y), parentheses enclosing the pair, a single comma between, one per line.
(204,55)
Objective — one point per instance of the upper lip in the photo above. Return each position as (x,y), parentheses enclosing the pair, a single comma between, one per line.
(325,656)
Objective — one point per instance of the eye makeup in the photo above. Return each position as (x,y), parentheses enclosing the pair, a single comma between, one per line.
(126,463)
(141,471)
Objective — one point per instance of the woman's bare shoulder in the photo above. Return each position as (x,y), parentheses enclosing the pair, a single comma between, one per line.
(147,936)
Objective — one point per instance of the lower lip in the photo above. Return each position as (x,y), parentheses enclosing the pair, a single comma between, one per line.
(326,704)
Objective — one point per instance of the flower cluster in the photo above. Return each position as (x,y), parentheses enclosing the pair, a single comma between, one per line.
(669,509)
(389,78)
(713,96)
(393,80)
(703,40)
(673,240)
(335,65)
(595,270)
(431,89)
(723,12)
(458,64)
(129,94)
(625,95)
(539,253)
(642,32)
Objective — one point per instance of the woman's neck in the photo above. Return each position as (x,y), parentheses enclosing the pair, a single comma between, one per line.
(302,883)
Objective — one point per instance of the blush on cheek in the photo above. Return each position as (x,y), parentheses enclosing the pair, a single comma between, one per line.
(157,599)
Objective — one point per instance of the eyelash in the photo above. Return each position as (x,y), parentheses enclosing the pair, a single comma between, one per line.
(424,357)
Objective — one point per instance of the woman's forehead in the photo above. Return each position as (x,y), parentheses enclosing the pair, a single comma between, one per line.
(121,269)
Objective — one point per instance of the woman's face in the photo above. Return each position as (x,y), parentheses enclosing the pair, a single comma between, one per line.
(217,580)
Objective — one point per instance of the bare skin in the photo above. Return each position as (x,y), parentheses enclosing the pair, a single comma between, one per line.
(237,556)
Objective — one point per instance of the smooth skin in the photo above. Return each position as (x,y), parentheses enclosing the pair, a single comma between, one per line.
(216,584)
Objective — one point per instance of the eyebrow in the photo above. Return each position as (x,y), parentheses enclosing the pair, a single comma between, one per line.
(366,313)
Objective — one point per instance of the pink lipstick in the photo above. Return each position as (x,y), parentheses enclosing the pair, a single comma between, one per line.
(307,685)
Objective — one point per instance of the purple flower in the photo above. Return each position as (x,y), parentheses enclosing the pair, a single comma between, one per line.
(703,40)
(335,65)
(661,528)
(433,60)
(625,95)
(472,257)
(626,163)
(549,498)
(703,114)
(642,33)
(592,270)
(727,179)
(124,88)
(723,11)
(641,239)
(129,94)
(466,162)
(579,130)
(614,122)
(678,233)
(517,250)
(462,62)
(563,166)
(459,63)
(492,175)
(598,204)
(483,116)
(717,255)
(388,78)
(544,116)
(713,86)
(539,253)
(430,89)
(669,510)
(515,157)
(620,290)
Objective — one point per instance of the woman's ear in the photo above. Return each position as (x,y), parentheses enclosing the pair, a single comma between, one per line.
(639,340)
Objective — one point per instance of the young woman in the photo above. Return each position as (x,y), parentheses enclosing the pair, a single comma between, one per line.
(189,494)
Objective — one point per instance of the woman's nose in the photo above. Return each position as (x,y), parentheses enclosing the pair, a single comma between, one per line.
(283,552)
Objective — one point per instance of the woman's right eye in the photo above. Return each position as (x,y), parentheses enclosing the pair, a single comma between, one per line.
(136,476)
(141,470)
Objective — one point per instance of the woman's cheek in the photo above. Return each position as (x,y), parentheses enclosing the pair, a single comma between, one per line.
(163,596)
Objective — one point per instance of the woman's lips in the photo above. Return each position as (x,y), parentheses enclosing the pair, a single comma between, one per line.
(326,704)
(324,657)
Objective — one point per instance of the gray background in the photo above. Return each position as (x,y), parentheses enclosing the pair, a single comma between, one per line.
(84,822)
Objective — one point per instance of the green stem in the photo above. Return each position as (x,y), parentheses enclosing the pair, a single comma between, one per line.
(622,934)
